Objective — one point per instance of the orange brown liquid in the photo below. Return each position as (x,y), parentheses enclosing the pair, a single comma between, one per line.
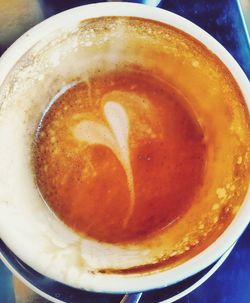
(98,187)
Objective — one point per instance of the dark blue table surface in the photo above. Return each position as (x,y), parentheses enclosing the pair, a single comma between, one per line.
(222,19)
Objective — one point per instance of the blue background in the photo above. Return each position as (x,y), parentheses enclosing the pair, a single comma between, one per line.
(222,19)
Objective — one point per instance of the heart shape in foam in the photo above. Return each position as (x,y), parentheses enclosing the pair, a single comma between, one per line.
(115,138)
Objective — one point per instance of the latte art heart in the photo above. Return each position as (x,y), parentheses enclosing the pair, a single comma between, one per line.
(115,138)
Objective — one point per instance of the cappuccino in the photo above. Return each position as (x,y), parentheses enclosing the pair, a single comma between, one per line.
(124,150)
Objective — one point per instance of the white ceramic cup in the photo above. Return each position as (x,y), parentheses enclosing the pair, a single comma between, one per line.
(123,283)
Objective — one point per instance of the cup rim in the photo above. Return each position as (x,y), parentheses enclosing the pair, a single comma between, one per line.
(118,284)
(184,291)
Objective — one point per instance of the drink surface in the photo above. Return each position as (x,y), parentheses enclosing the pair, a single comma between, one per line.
(120,156)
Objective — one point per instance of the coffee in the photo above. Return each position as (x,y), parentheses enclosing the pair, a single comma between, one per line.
(133,150)
(120,156)
(125,155)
